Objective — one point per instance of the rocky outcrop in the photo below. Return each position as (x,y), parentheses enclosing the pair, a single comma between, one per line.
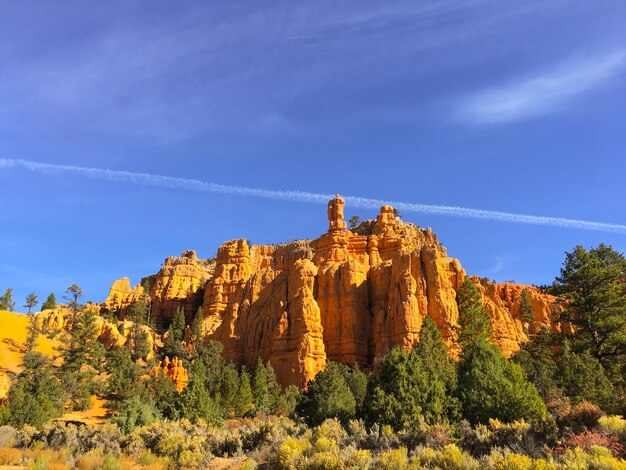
(179,283)
(121,295)
(173,370)
(348,296)
(110,334)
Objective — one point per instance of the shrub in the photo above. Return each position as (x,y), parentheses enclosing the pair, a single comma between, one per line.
(325,461)
(452,457)
(590,438)
(420,433)
(507,460)
(291,453)
(598,458)
(613,425)
(582,415)
(396,459)
(190,458)
(359,459)
(7,436)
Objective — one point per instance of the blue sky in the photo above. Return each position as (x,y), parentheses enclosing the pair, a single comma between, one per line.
(518,108)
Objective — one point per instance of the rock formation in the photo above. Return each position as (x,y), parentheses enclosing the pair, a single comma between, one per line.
(179,283)
(174,370)
(348,296)
(121,295)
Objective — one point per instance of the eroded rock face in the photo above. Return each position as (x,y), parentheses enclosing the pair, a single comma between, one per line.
(121,295)
(347,296)
(179,283)
(173,370)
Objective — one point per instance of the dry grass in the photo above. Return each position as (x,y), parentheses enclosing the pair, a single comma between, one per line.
(10,456)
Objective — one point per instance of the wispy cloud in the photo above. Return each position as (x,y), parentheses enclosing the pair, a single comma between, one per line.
(185,184)
(541,94)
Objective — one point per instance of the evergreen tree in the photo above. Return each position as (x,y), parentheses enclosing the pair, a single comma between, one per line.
(357,382)
(82,358)
(162,392)
(196,402)
(6,301)
(354,221)
(50,303)
(474,322)
(536,358)
(243,400)
(412,385)
(32,334)
(582,377)
(74,293)
(138,344)
(123,376)
(172,346)
(593,283)
(289,399)
(327,396)
(490,386)
(229,387)
(36,396)
(526,306)
(135,412)
(196,330)
(265,388)
(31,301)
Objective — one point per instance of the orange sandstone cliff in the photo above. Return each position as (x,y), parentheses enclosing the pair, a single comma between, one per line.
(348,296)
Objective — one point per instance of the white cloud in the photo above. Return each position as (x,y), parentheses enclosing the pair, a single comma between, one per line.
(541,94)
(186,184)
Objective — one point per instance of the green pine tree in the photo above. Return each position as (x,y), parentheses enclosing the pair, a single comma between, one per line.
(536,358)
(526,306)
(265,388)
(593,283)
(243,400)
(32,334)
(327,396)
(490,386)
(123,376)
(50,303)
(474,322)
(82,357)
(196,402)
(412,385)
(6,301)
(36,396)
(31,301)
(582,377)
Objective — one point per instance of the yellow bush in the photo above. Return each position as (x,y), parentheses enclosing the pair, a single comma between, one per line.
(170,446)
(360,460)
(509,461)
(325,444)
(189,458)
(10,456)
(395,459)
(598,458)
(453,458)
(291,453)
(613,424)
(426,456)
(332,429)
(325,461)
(249,464)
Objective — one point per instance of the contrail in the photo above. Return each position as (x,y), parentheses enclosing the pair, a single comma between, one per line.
(147,179)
